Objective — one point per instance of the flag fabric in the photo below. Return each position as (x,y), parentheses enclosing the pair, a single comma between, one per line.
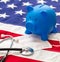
(12,23)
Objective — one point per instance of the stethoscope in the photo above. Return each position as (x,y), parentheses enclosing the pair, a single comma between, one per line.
(26,51)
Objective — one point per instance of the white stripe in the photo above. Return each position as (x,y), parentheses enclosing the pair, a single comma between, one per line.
(55,36)
(12,28)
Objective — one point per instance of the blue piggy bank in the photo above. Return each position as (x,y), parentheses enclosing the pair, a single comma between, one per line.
(40,20)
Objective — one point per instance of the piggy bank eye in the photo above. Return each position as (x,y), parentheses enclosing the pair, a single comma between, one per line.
(30,17)
(44,13)
(36,19)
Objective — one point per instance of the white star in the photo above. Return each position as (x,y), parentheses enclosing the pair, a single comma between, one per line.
(20,12)
(11,6)
(57,25)
(55,0)
(57,13)
(52,7)
(4,15)
(41,1)
(24,19)
(5,1)
(0,8)
(26,3)
(19,0)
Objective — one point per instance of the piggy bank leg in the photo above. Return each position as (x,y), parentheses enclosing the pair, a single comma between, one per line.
(44,37)
(28,32)
(54,30)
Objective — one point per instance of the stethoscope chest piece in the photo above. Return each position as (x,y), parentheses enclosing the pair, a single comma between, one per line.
(27,51)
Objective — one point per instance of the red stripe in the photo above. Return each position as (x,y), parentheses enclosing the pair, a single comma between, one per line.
(12,58)
(53,49)
(54,42)
(55,46)
(8,33)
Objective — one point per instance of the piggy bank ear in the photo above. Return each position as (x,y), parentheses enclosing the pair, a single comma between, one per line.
(29,8)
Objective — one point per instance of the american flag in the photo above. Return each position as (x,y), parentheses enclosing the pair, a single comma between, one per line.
(14,11)
(12,22)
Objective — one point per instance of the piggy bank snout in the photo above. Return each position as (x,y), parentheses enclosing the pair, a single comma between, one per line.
(30,25)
